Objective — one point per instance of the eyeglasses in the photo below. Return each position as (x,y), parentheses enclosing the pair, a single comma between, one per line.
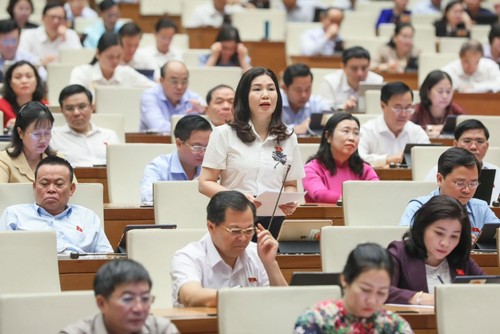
(355,133)
(462,184)
(130,300)
(176,82)
(9,41)
(196,148)
(236,232)
(470,141)
(38,135)
(55,17)
(79,107)
(399,110)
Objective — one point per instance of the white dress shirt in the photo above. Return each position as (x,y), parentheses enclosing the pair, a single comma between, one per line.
(378,141)
(314,43)
(486,78)
(160,58)
(206,15)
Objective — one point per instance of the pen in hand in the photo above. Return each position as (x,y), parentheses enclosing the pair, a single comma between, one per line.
(440,279)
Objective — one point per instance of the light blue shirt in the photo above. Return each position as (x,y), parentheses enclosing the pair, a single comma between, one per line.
(316,104)
(166,167)
(156,109)
(95,31)
(479,212)
(78,229)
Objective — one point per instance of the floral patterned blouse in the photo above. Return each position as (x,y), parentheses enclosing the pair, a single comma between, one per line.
(330,316)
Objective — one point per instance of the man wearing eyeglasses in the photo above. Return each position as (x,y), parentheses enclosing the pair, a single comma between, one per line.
(385,137)
(81,141)
(191,139)
(473,135)
(458,177)
(123,295)
(225,256)
(170,97)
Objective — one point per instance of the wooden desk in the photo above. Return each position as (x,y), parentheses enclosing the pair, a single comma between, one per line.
(411,78)
(334,61)
(201,38)
(479,104)
(94,175)
(268,54)
(394,174)
(117,217)
(151,138)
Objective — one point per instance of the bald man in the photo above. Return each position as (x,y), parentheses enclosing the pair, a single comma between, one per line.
(170,97)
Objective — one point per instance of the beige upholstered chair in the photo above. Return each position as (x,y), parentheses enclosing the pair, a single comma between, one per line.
(267,310)
(424,158)
(111,121)
(251,24)
(338,241)
(76,56)
(201,79)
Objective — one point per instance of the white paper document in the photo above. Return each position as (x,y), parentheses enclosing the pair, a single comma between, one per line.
(269,198)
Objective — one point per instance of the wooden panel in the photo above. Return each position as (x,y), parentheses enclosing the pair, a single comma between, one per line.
(479,104)
(201,38)
(319,61)
(93,175)
(268,54)
(150,138)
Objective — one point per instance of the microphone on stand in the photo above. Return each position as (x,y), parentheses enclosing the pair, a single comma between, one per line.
(76,255)
(279,195)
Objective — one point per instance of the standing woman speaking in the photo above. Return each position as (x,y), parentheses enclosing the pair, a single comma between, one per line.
(252,153)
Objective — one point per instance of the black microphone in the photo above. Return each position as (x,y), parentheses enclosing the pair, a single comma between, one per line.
(76,255)
(279,195)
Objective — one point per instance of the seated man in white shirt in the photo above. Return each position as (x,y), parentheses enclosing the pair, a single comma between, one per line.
(53,35)
(225,256)
(473,136)
(472,72)
(384,138)
(82,142)
(77,228)
(130,37)
(163,50)
(492,49)
(212,14)
(324,41)
(427,7)
(78,8)
(220,105)
(340,88)
(298,103)
(299,10)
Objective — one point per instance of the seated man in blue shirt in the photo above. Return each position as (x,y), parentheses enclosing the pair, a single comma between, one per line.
(169,97)
(78,229)
(298,103)
(191,139)
(324,40)
(458,177)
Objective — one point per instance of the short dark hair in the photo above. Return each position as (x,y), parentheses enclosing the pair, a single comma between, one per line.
(31,112)
(190,123)
(213,90)
(366,257)
(242,108)
(456,157)
(494,32)
(296,70)
(8,25)
(54,160)
(471,45)
(107,40)
(324,154)
(432,79)
(12,4)
(8,92)
(392,89)
(106,4)
(470,124)
(129,29)
(437,208)
(355,52)
(229,199)
(164,23)
(118,272)
(53,4)
(72,90)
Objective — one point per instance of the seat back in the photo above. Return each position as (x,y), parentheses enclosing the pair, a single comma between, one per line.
(491,122)
(365,203)
(451,44)
(33,313)
(180,203)
(89,195)
(154,7)
(201,78)
(357,24)
(319,74)
(125,168)
(29,262)
(430,61)
(251,24)
(267,310)
(372,44)
(467,308)
(154,249)
(191,57)
(423,159)
(114,122)
(58,75)
(294,31)
(76,56)
(121,100)
(372,100)
(424,38)
(337,242)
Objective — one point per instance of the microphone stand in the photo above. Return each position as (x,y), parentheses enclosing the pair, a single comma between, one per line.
(279,195)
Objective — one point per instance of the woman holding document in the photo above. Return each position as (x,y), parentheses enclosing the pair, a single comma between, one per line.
(434,251)
(255,152)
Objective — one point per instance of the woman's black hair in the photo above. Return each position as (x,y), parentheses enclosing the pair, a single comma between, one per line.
(437,208)
(448,7)
(8,92)
(107,40)
(31,112)
(324,154)
(12,4)
(397,30)
(432,79)
(242,113)
(365,257)
(229,33)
